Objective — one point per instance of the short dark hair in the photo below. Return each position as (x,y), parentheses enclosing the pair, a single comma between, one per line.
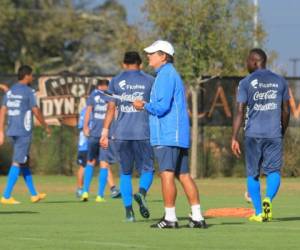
(169,58)
(132,57)
(23,71)
(260,53)
(101,82)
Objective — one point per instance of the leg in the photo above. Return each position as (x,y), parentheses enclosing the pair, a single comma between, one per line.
(253,151)
(92,155)
(103,173)
(12,178)
(191,190)
(80,177)
(126,166)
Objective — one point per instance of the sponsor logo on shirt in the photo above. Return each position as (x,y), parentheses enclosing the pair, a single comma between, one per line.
(268,95)
(254,83)
(27,120)
(122,84)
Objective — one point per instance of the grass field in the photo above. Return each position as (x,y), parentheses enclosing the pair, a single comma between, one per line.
(62,222)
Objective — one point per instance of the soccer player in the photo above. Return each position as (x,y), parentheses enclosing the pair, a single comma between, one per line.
(170,134)
(82,153)
(131,132)
(19,103)
(93,122)
(266,97)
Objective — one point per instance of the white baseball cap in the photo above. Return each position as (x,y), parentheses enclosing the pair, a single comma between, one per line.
(160,45)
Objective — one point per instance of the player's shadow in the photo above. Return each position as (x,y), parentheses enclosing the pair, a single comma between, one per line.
(60,202)
(286,219)
(18,212)
(153,201)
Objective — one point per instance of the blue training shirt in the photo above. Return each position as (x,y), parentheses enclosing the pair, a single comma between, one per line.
(98,101)
(82,140)
(131,124)
(19,100)
(263,92)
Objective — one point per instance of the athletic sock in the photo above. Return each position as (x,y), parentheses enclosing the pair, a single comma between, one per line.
(170,214)
(87,177)
(273,184)
(254,191)
(28,180)
(196,212)
(145,182)
(126,189)
(12,178)
(103,173)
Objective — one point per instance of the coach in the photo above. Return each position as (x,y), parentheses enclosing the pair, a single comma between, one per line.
(170,134)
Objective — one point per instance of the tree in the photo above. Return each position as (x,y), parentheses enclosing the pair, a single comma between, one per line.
(56,35)
(210,37)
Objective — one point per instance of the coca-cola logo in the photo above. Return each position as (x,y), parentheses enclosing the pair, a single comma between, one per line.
(268,95)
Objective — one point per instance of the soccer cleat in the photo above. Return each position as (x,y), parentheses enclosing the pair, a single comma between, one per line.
(85,196)
(256,218)
(140,199)
(115,193)
(100,199)
(130,216)
(9,201)
(79,192)
(267,209)
(38,197)
(165,224)
(197,224)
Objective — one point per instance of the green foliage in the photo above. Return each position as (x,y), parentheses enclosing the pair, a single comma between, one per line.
(210,36)
(54,36)
(56,154)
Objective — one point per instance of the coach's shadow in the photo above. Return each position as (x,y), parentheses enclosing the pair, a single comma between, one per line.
(18,212)
(286,219)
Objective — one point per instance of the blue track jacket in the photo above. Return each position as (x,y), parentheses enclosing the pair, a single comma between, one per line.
(169,121)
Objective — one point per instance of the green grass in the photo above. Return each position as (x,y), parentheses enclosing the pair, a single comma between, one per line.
(62,222)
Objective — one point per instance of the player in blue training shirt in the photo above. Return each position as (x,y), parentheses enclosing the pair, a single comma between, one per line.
(265,96)
(93,122)
(131,132)
(19,103)
(82,153)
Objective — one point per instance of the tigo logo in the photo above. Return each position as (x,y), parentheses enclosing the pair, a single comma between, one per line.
(122,84)
(254,83)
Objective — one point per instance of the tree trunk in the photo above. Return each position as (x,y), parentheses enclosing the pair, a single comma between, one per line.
(194,149)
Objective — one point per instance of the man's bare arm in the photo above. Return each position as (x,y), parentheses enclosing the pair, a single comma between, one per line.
(285,116)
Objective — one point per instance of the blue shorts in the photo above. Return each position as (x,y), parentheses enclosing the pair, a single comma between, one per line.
(82,158)
(135,153)
(21,146)
(263,154)
(93,148)
(109,155)
(172,159)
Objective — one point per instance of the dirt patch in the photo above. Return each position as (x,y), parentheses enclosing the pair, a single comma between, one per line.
(239,212)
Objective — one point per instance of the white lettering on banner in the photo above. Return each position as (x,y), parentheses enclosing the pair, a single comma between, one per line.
(265,107)
(269,95)
(69,106)
(58,105)
(47,107)
(14,112)
(128,109)
(13,104)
